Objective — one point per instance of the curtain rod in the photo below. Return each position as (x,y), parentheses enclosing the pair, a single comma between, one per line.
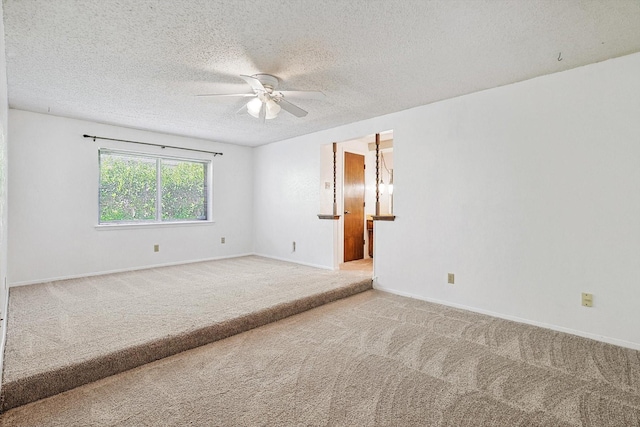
(215,153)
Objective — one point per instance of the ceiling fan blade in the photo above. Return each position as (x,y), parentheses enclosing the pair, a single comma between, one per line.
(254,83)
(306,94)
(228,95)
(242,109)
(290,108)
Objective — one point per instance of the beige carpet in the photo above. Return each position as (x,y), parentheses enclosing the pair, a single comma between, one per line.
(373,359)
(64,334)
(365,264)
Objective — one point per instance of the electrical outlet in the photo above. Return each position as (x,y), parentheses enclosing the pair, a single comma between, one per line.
(587,299)
(294,246)
(222,240)
(156,248)
(450,278)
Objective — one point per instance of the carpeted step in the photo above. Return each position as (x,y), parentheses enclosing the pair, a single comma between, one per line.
(44,384)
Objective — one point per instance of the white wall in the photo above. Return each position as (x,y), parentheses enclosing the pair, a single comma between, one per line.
(529,193)
(385,198)
(53,175)
(326,179)
(4,107)
(287,202)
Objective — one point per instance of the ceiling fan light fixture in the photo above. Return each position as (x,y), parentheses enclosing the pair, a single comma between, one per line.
(272,109)
(253,107)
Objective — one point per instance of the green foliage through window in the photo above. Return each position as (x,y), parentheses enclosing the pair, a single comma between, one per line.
(138,188)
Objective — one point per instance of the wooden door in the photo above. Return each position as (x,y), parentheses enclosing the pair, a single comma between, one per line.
(353,207)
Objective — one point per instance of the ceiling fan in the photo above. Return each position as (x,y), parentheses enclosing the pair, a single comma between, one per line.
(267,101)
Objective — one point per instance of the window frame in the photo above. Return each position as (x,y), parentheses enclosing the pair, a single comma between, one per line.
(158,221)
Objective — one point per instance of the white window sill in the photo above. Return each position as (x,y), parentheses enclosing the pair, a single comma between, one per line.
(129,226)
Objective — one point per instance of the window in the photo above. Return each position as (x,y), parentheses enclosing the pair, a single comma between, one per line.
(139,188)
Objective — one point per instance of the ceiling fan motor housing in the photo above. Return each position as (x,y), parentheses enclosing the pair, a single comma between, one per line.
(267,80)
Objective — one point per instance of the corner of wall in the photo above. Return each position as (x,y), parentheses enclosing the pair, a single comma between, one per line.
(4,108)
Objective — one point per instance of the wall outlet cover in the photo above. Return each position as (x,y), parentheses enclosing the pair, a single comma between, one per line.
(450,278)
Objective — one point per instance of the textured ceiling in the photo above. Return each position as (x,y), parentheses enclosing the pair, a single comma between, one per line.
(139,63)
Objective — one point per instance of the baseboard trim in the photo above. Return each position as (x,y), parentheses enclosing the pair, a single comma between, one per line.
(324,267)
(596,337)
(124,270)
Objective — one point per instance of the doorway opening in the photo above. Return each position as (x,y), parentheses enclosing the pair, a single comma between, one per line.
(354,199)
